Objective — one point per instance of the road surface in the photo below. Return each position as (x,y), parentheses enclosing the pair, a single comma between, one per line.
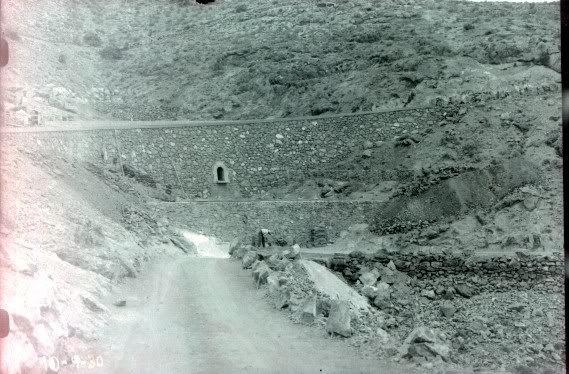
(205,315)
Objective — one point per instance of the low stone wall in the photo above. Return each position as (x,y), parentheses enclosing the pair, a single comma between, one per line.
(291,220)
(439,271)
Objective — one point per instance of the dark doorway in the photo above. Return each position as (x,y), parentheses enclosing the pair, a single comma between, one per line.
(220,174)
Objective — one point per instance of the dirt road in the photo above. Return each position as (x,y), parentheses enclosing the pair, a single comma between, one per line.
(204,315)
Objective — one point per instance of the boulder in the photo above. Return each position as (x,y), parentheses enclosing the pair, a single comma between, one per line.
(234,245)
(273,283)
(366,153)
(424,342)
(448,309)
(369,278)
(273,261)
(464,290)
(381,303)
(429,294)
(281,298)
(429,350)
(382,286)
(421,335)
(308,309)
(449,293)
(383,298)
(328,284)
(293,252)
(282,264)
(261,273)
(339,320)
(383,335)
(368,144)
(249,259)
(369,291)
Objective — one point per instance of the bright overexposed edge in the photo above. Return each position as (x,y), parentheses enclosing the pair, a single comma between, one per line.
(516,1)
(208,246)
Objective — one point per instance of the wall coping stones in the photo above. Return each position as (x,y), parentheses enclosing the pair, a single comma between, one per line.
(58,126)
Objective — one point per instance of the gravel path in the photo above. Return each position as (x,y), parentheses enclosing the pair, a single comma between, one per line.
(204,315)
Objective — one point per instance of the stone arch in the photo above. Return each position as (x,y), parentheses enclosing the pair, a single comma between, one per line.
(220,173)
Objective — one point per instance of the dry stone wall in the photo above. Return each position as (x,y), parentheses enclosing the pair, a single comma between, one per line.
(258,155)
(445,269)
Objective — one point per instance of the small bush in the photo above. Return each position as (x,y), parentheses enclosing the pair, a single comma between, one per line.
(468,26)
(471,148)
(111,53)
(241,8)
(92,39)
(62,59)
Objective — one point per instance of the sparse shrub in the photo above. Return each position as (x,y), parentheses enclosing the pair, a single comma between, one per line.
(471,148)
(12,34)
(62,59)
(92,39)
(241,8)
(111,53)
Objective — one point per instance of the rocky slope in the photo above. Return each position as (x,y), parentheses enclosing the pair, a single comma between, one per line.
(229,60)
(68,237)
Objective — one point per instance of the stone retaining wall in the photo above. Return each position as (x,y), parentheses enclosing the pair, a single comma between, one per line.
(291,220)
(445,269)
(258,155)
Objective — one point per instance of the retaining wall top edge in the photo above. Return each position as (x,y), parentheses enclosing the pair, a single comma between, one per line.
(60,126)
(225,202)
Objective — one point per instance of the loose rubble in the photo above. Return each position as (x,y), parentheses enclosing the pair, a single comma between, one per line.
(445,325)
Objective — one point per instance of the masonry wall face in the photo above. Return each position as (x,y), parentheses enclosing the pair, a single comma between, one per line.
(292,221)
(258,155)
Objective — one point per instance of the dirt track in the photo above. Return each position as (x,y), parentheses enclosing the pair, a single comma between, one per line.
(204,315)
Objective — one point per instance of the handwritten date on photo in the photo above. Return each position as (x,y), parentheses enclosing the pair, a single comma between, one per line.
(90,362)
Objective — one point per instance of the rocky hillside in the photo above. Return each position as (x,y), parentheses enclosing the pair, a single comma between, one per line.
(230,60)
(69,234)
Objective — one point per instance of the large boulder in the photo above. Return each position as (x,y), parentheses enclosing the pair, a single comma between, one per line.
(448,309)
(425,342)
(382,299)
(273,261)
(234,245)
(261,272)
(293,252)
(369,291)
(249,259)
(464,290)
(327,283)
(339,320)
(369,278)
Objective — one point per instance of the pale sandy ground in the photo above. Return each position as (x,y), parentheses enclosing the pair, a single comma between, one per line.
(204,315)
